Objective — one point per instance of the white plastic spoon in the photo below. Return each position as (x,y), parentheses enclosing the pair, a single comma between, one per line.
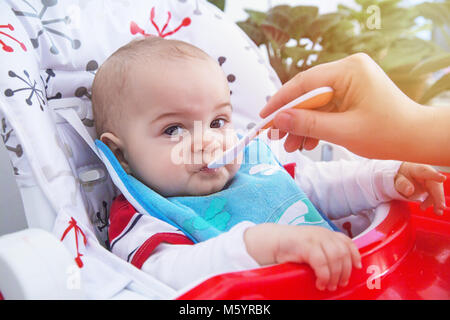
(310,100)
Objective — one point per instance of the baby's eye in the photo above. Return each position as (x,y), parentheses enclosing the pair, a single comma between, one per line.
(218,123)
(173,130)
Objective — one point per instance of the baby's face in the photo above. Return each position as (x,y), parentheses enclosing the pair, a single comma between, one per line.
(177,119)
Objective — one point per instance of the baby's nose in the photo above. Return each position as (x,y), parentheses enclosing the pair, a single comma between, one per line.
(208,141)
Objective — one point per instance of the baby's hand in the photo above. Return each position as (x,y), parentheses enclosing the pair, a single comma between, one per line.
(330,254)
(414,179)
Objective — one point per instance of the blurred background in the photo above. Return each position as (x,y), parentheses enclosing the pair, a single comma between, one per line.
(409,39)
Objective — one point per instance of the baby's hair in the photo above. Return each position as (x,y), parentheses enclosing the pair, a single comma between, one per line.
(110,81)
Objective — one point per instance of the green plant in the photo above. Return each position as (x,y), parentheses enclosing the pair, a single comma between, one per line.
(298,38)
(218,3)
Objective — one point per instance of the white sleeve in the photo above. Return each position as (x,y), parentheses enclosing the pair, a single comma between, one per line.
(182,265)
(341,188)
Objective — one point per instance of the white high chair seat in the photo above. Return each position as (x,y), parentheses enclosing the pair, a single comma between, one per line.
(50,51)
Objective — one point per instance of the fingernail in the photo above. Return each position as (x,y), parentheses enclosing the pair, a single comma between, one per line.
(283,121)
(408,191)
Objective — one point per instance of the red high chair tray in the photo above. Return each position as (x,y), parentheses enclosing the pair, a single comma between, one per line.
(407,256)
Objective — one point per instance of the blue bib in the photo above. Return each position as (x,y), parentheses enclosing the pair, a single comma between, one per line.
(261,191)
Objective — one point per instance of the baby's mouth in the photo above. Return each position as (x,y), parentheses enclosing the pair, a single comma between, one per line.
(207,170)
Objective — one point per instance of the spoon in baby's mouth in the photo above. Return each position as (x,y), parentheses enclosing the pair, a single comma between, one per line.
(313,99)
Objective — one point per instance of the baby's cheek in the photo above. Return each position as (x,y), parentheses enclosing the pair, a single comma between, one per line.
(230,138)
(168,180)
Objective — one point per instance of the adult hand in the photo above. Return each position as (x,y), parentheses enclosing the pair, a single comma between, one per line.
(368,115)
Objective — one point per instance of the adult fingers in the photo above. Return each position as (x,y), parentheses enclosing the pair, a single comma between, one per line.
(293,143)
(328,126)
(276,134)
(319,76)
(310,143)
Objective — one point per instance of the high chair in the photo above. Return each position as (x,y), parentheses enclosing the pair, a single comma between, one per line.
(56,193)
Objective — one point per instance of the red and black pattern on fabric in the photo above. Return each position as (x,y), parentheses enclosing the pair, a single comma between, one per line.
(120,215)
(290,168)
(161,32)
(48,26)
(83,92)
(347,226)
(123,219)
(33,88)
(6,132)
(230,77)
(147,248)
(50,75)
(73,226)
(5,46)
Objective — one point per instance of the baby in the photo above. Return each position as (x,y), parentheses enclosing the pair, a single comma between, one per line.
(148,99)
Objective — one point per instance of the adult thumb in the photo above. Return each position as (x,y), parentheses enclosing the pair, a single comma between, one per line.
(321,125)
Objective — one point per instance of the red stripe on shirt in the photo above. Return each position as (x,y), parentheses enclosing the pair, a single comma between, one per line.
(151,243)
(119,216)
(290,168)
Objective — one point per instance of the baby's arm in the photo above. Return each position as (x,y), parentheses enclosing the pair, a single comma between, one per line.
(246,246)
(340,188)
(330,254)
(182,265)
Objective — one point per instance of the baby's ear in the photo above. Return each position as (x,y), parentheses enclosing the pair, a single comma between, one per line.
(116,145)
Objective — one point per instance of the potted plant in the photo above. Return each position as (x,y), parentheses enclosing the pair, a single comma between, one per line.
(297,38)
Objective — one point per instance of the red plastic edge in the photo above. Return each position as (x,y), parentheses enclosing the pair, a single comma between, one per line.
(385,247)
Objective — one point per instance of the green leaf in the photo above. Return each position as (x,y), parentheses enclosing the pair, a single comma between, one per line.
(322,24)
(254,33)
(278,18)
(296,53)
(400,19)
(432,64)
(443,84)
(444,33)
(340,37)
(299,27)
(406,52)
(256,17)
(275,34)
(345,9)
(281,9)
(330,56)
(218,3)
(301,11)
(438,12)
